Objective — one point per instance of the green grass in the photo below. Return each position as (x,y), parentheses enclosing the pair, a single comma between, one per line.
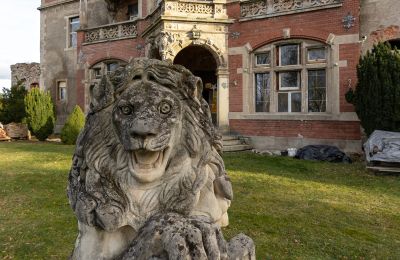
(292,209)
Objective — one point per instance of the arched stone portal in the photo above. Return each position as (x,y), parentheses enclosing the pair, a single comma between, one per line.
(202,63)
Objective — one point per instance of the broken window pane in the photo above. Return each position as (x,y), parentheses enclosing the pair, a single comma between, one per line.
(316,54)
(289,79)
(263,92)
(317,91)
(263,58)
(289,55)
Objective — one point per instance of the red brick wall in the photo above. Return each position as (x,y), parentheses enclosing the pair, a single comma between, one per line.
(235,92)
(316,25)
(293,128)
(348,75)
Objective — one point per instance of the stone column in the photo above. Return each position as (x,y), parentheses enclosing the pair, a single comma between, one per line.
(83,6)
(223,99)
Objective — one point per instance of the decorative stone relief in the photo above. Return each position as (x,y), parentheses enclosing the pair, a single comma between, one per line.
(348,21)
(147,179)
(280,7)
(189,8)
(111,32)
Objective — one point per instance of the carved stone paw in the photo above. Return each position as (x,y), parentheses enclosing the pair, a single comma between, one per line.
(175,237)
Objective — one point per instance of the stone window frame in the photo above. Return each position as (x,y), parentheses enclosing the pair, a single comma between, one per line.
(303,67)
(58,98)
(68,30)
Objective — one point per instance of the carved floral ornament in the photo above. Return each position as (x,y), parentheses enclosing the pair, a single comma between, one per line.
(169,44)
(279,7)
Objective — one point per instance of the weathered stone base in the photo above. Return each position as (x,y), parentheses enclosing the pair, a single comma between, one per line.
(262,143)
(173,236)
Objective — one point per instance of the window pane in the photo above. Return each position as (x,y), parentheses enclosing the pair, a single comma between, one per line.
(133,10)
(317,54)
(289,54)
(112,67)
(73,27)
(263,58)
(317,91)
(289,79)
(283,105)
(62,90)
(295,102)
(263,92)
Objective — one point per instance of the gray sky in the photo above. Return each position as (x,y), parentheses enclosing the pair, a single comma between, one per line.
(20,35)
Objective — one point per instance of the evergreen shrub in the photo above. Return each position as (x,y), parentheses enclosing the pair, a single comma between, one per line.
(73,126)
(12,107)
(39,113)
(377,94)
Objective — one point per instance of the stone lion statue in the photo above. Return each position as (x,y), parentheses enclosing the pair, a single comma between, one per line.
(147,180)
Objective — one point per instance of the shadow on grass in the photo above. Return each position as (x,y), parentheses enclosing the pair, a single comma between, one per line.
(351,175)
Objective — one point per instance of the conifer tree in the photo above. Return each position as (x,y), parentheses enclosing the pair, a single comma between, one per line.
(39,113)
(73,126)
(377,94)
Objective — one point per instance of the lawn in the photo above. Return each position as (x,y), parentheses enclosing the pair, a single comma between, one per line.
(292,209)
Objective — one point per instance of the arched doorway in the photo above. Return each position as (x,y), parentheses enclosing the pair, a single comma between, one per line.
(202,63)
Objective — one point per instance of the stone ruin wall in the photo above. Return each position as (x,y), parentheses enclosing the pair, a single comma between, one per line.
(29,73)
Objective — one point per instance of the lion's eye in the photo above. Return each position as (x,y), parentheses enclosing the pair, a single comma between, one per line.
(165,108)
(126,110)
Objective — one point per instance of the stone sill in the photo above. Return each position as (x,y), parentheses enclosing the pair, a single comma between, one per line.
(263,16)
(346,116)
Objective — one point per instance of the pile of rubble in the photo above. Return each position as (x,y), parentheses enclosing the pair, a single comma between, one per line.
(14,131)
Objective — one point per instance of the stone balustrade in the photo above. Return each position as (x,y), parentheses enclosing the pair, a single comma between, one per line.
(111,32)
(253,9)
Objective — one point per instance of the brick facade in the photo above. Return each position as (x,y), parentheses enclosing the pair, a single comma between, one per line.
(243,38)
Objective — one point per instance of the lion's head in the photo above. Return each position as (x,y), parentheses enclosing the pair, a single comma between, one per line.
(148,146)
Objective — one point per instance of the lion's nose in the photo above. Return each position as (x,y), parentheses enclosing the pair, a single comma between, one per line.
(143,129)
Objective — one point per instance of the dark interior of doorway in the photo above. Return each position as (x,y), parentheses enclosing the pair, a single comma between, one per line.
(202,64)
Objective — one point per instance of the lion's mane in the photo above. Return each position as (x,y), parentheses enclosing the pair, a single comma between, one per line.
(98,179)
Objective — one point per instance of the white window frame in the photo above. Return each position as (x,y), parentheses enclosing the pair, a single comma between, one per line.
(303,67)
(260,53)
(289,88)
(58,92)
(317,60)
(298,54)
(68,31)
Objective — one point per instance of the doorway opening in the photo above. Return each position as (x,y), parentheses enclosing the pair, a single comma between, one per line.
(202,63)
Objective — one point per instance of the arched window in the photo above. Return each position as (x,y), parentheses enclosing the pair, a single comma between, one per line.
(291,77)
(105,67)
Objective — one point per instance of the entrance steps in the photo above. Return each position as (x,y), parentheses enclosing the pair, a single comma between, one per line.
(235,143)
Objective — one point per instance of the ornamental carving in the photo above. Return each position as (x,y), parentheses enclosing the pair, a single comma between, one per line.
(147,179)
(191,8)
(280,7)
(111,32)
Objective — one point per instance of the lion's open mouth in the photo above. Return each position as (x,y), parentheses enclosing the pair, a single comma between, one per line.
(147,165)
(144,159)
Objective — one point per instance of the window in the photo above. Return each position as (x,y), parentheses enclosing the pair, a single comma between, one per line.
(263,58)
(289,102)
(289,54)
(291,77)
(317,90)
(133,10)
(73,27)
(289,80)
(316,55)
(97,73)
(263,92)
(112,67)
(62,91)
